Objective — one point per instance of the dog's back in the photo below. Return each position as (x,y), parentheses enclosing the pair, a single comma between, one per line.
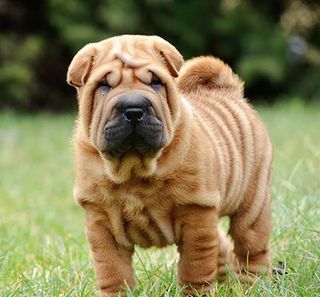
(216,94)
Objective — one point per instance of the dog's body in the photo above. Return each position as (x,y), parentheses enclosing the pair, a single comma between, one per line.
(159,162)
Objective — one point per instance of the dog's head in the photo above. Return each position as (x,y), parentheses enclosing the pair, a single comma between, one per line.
(127,98)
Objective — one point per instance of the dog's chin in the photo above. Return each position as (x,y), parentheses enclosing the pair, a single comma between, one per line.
(134,145)
(123,164)
(122,154)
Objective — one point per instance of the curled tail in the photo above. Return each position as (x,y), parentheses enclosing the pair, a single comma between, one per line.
(209,73)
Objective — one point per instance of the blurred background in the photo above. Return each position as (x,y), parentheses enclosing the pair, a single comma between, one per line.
(273,45)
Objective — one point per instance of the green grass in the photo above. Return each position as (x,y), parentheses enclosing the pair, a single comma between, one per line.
(43,251)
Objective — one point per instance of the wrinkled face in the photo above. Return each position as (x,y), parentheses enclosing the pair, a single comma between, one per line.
(127,96)
(127,111)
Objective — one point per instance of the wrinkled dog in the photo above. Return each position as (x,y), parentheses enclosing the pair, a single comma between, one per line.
(163,150)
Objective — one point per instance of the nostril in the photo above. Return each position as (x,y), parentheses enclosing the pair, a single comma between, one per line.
(133,114)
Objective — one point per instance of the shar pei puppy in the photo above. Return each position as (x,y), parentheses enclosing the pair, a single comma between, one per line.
(164,149)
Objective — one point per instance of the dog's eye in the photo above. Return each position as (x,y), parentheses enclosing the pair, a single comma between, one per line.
(156,83)
(104,86)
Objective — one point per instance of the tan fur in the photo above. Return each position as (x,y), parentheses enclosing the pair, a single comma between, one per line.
(216,162)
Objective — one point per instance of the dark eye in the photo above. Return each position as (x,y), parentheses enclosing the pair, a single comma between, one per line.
(156,83)
(104,86)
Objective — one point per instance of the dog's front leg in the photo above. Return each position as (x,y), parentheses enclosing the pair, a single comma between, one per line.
(112,261)
(198,247)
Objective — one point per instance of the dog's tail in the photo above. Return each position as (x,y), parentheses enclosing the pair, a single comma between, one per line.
(209,73)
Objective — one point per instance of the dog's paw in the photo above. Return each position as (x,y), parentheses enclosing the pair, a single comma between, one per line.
(207,290)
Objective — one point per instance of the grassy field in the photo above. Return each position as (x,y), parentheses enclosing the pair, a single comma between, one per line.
(43,251)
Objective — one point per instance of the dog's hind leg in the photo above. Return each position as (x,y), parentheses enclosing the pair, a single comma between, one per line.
(227,261)
(250,227)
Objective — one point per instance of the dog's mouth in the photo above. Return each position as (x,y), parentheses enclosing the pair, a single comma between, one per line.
(144,138)
(134,128)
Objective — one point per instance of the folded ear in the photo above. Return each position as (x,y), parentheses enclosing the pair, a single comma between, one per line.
(170,55)
(80,66)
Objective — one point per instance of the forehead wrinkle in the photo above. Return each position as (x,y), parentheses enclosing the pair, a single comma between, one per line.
(130,61)
(124,51)
(116,48)
(127,75)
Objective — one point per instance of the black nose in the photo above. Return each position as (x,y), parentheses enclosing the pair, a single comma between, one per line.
(133,114)
(133,107)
